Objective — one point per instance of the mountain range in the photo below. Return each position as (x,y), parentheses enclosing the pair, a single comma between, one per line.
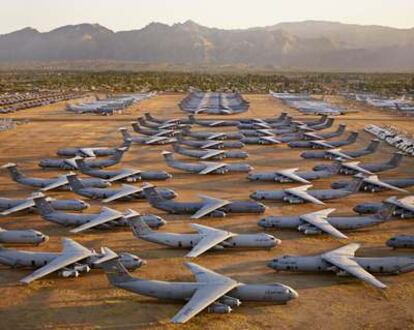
(308,45)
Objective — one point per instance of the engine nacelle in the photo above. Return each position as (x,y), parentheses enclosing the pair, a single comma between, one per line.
(221,170)
(68,273)
(230,301)
(219,308)
(304,227)
(292,200)
(82,268)
(312,231)
(217,214)
(342,273)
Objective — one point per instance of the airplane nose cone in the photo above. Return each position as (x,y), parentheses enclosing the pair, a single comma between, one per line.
(262,207)
(253,195)
(162,222)
(277,242)
(293,294)
(143,262)
(45,238)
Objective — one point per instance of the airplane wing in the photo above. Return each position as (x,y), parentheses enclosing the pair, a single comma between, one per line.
(154,139)
(322,144)
(72,253)
(318,220)
(212,287)
(262,125)
(107,254)
(212,153)
(267,132)
(125,191)
(211,166)
(71,162)
(61,181)
(164,132)
(406,203)
(216,123)
(211,238)
(338,154)
(89,152)
(22,206)
(270,139)
(343,259)
(290,174)
(215,136)
(124,174)
(106,215)
(210,204)
(354,166)
(301,193)
(313,136)
(211,144)
(374,180)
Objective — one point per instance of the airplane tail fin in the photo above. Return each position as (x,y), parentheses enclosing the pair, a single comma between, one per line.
(116,272)
(355,184)
(136,127)
(138,226)
(125,144)
(329,122)
(148,116)
(386,211)
(341,128)
(14,172)
(282,116)
(168,156)
(396,159)
(373,145)
(191,118)
(352,137)
(119,152)
(74,183)
(141,121)
(125,134)
(42,205)
(152,195)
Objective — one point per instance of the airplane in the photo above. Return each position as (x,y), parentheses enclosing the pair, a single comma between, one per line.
(352,168)
(319,222)
(73,260)
(124,174)
(138,128)
(251,126)
(70,163)
(322,144)
(148,117)
(203,168)
(338,153)
(210,144)
(401,241)
(213,207)
(90,151)
(59,182)
(404,207)
(292,175)
(217,293)
(373,184)
(206,238)
(9,206)
(125,193)
(209,153)
(145,140)
(302,194)
(208,135)
(105,218)
(272,120)
(171,124)
(26,236)
(212,123)
(343,262)
(262,140)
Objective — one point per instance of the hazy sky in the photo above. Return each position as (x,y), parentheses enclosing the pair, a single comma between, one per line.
(45,15)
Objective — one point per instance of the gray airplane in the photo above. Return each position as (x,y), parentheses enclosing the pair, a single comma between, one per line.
(210,144)
(213,207)
(106,218)
(73,260)
(404,207)
(90,151)
(169,125)
(331,154)
(319,222)
(207,135)
(27,236)
(125,193)
(301,194)
(204,168)
(401,241)
(247,123)
(70,163)
(212,123)
(352,168)
(217,293)
(322,144)
(373,184)
(124,174)
(145,140)
(292,175)
(206,238)
(138,128)
(9,206)
(59,182)
(343,262)
(209,153)
(150,118)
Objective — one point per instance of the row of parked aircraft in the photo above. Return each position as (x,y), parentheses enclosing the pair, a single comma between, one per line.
(400,104)
(207,149)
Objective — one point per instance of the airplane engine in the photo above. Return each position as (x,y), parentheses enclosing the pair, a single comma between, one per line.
(217,214)
(219,308)
(82,268)
(312,231)
(221,170)
(68,273)
(292,200)
(304,227)
(282,179)
(230,301)
(371,188)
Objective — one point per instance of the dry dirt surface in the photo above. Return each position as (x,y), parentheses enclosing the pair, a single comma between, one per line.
(88,302)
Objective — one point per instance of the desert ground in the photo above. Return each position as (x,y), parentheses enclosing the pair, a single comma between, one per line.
(88,302)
